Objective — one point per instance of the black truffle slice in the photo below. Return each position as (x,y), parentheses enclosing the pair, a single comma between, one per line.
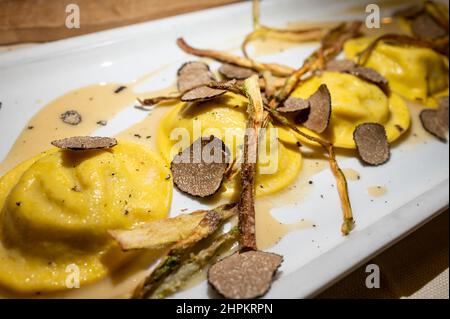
(192,75)
(246,275)
(432,124)
(425,27)
(372,76)
(442,112)
(202,93)
(341,65)
(294,104)
(230,71)
(71,117)
(372,143)
(82,143)
(366,74)
(410,11)
(317,117)
(199,170)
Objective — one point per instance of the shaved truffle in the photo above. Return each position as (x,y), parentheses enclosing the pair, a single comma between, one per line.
(432,123)
(199,170)
(294,104)
(194,74)
(366,74)
(341,65)
(317,117)
(71,117)
(230,71)
(202,93)
(410,11)
(426,28)
(372,76)
(372,143)
(82,143)
(442,112)
(246,275)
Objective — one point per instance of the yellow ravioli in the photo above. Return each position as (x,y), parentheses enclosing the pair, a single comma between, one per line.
(354,102)
(56,210)
(279,161)
(419,74)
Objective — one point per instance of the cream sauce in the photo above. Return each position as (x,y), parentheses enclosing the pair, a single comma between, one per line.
(269,231)
(351,174)
(144,132)
(94,103)
(377,191)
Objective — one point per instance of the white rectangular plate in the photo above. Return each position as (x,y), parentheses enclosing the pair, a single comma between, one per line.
(417,176)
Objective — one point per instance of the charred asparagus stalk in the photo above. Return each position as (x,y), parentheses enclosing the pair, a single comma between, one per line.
(348,223)
(395,39)
(181,251)
(175,280)
(292,35)
(255,112)
(224,57)
(332,44)
(249,272)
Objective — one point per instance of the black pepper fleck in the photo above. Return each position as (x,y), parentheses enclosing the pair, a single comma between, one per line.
(120,89)
(399,128)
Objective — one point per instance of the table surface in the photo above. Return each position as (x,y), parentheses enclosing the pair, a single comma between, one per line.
(416,267)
